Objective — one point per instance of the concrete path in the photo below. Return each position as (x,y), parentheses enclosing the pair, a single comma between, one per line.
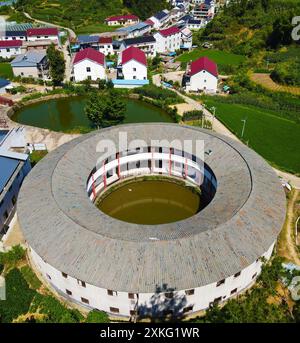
(222,129)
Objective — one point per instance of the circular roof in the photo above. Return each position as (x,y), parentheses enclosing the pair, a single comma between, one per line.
(66,229)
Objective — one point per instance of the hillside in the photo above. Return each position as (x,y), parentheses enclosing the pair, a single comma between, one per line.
(86,16)
(260,30)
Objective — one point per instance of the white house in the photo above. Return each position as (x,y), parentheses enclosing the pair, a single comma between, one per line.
(42,33)
(202,75)
(186,38)
(132,64)
(105,45)
(144,43)
(31,64)
(10,48)
(195,24)
(161,18)
(13,35)
(168,39)
(121,20)
(136,30)
(89,64)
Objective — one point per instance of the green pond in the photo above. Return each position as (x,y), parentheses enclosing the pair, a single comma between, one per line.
(67,114)
(150,202)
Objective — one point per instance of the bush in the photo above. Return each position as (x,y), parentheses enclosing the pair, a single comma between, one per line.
(18,297)
(192,115)
(30,277)
(97,317)
(12,256)
(54,311)
(165,95)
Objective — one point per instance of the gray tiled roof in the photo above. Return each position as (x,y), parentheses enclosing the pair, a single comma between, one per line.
(30,59)
(65,228)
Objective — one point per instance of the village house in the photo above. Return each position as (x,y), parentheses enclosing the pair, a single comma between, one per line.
(105,45)
(13,35)
(42,33)
(195,24)
(160,19)
(31,64)
(132,64)
(201,75)
(132,69)
(186,39)
(122,20)
(168,40)
(89,64)
(145,43)
(40,44)
(10,48)
(136,30)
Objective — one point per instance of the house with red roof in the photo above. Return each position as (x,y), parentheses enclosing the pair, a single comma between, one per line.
(105,45)
(168,40)
(89,64)
(201,76)
(122,20)
(10,48)
(132,64)
(43,33)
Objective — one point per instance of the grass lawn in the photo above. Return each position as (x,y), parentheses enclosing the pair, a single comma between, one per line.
(6,70)
(274,138)
(222,58)
(95,28)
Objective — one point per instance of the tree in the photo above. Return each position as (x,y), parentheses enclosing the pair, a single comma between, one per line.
(57,64)
(105,109)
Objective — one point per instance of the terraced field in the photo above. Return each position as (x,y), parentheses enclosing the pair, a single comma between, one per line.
(266,81)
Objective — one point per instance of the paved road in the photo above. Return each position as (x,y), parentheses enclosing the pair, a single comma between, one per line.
(220,128)
(64,48)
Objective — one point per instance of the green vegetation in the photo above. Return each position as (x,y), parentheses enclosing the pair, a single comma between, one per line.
(86,16)
(97,317)
(227,62)
(266,302)
(161,94)
(30,278)
(6,70)
(57,64)
(10,258)
(105,109)
(18,296)
(275,138)
(53,311)
(287,73)
(192,115)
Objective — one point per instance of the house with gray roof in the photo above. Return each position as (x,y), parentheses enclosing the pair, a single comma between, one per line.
(31,64)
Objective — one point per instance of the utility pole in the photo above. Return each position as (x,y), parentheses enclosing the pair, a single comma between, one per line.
(244,125)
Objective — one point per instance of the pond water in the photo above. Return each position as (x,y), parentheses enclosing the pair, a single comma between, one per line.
(67,114)
(150,202)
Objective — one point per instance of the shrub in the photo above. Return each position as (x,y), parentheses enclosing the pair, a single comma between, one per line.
(167,96)
(192,115)
(54,311)
(18,297)
(97,317)
(12,256)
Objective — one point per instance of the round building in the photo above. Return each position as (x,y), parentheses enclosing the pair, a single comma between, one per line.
(102,261)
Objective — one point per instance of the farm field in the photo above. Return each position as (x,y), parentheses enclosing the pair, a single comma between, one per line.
(222,58)
(266,81)
(274,138)
(6,70)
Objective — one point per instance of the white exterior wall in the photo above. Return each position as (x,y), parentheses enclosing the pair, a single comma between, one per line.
(13,38)
(27,72)
(134,70)
(122,22)
(42,37)
(106,49)
(169,43)
(81,73)
(99,299)
(9,52)
(150,49)
(203,81)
